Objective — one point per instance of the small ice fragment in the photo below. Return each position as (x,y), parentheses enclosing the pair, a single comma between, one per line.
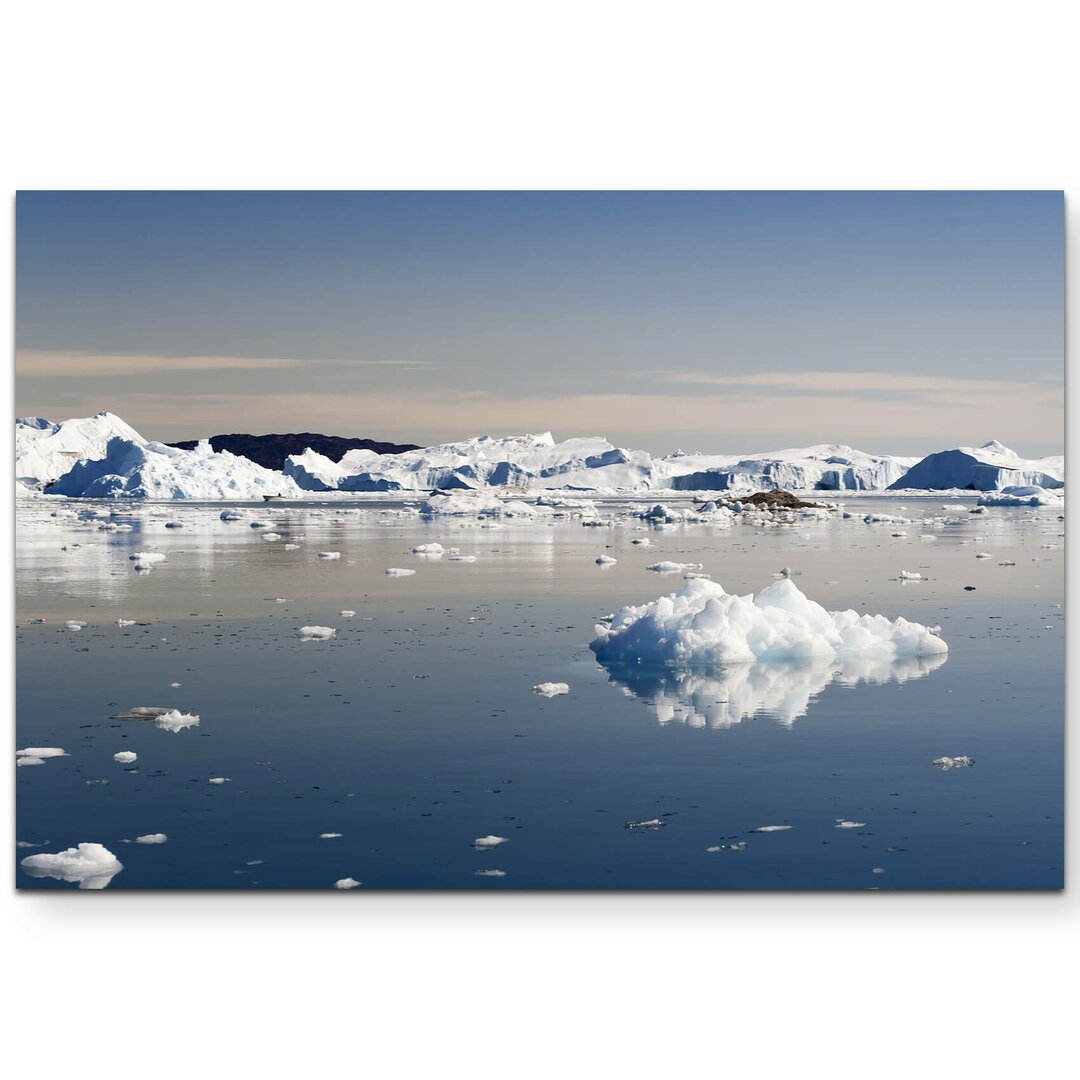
(462,558)
(174,685)
(909,575)
(738,846)
(41,752)
(652,823)
(878,870)
(74,624)
(329,554)
(291,547)
(397,571)
(329,835)
(485,842)
(641,541)
(551,689)
(148,558)
(347,614)
(125,622)
(347,883)
(428,549)
(91,866)
(316,633)
(674,567)
(605,560)
(126,757)
(841,823)
(490,873)
(219,779)
(772,828)
(983,555)
(174,720)
(151,838)
(961,762)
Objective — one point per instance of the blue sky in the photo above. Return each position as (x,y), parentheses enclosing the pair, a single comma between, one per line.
(720,321)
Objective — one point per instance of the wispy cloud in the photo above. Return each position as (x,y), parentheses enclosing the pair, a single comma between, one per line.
(1024,415)
(74,363)
(849,383)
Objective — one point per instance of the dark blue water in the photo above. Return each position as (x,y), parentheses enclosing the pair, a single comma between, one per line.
(416,731)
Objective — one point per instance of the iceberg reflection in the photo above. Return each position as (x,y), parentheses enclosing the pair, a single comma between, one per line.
(720,697)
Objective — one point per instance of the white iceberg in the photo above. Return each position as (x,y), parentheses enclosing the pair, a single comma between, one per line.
(989,467)
(149,470)
(91,866)
(704,625)
(551,689)
(45,451)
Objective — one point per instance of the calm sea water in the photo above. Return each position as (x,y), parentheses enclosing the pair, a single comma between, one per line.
(415,730)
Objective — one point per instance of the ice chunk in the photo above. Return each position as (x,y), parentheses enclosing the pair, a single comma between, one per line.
(126,757)
(330,836)
(704,625)
(174,720)
(490,873)
(397,571)
(551,689)
(347,883)
(946,763)
(316,633)
(673,567)
(428,549)
(347,613)
(42,752)
(91,866)
(329,554)
(219,779)
(651,823)
(486,842)
(605,560)
(151,838)
(843,823)
(773,828)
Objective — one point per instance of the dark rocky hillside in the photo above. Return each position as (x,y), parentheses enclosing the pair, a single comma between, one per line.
(271,451)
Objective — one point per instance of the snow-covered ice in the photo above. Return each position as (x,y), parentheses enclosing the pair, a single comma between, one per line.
(704,625)
(551,689)
(91,866)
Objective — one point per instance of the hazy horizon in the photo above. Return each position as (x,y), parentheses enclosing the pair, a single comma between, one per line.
(727,322)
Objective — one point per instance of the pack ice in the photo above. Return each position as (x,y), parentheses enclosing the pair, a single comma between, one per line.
(704,625)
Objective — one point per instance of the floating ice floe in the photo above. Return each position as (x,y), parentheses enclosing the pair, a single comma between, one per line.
(74,624)
(842,823)
(431,550)
(330,836)
(347,883)
(486,842)
(125,622)
(739,845)
(174,720)
(219,780)
(490,873)
(673,567)
(38,755)
(651,823)
(910,575)
(946,763)
(704,625)
(90,866)
(397,571)
(773,828)
(329,554)
(1032,495)
(316,633)
(605,560)
(348,613)
(125,757)
(151,838)
(551,689)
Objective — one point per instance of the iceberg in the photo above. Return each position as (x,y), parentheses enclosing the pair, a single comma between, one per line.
(91,866)
(149,470)
(990,467)
(826,467)
(1031,495)
(704,625)
(45,451)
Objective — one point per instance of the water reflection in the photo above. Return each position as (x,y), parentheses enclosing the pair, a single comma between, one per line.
(721,697)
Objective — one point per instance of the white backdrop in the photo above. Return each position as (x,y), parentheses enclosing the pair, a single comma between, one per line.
(583,94)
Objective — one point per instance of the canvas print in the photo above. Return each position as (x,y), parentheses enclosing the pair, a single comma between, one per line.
(483,540)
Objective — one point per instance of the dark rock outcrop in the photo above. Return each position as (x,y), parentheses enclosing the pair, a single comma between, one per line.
(270,451)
